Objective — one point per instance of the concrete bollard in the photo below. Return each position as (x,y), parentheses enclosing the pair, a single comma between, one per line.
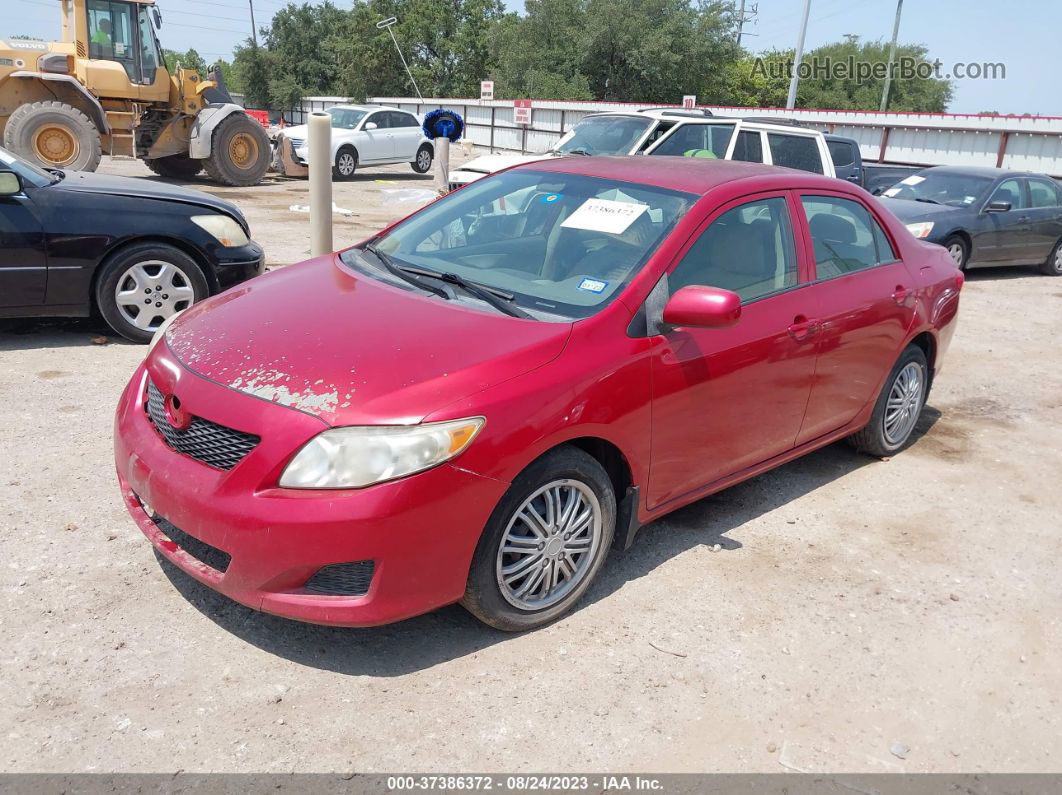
(319,138)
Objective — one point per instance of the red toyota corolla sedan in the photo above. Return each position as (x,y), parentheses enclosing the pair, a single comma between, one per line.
(477,403)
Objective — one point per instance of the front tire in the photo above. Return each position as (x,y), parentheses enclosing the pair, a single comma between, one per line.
(54,135)
(959,251)
(544,543)
(1053,265)
(144,284)
(422,163)
(898,407)
(346,163)
(239,152)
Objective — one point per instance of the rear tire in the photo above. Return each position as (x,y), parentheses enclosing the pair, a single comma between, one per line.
(128,294)
(175,166)
(959,251)
(898,406)
(1052,266)
(239,152)
(54,135)
(571,551)
(422,163)
(346,163)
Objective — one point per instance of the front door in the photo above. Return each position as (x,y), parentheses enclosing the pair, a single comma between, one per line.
(726,399)
(865,298)
(376,143)
(1007,240)
(23,274)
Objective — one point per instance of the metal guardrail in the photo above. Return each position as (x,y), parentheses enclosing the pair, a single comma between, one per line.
(1029,143)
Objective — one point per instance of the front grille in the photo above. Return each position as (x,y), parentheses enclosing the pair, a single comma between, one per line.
(213,557)
(297,143)
(205,441)
(342,579)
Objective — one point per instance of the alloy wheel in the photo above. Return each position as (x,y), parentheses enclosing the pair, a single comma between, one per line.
(346,164)
(149,292)
(904,404)
(1057,261)
(549,544)
(957,253)
(423,160)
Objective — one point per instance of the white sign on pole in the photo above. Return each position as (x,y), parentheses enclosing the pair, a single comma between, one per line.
(522,111)
(689,101)
(486,89)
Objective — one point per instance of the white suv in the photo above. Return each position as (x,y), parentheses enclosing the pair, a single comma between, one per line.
(671,131)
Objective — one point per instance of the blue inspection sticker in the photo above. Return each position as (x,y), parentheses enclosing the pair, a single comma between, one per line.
(549,198)
(593,285)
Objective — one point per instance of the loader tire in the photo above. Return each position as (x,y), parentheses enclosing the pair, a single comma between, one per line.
(239,152)
(175,166)
(54,135)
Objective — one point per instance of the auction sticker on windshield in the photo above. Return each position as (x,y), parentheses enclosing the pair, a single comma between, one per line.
(603,215)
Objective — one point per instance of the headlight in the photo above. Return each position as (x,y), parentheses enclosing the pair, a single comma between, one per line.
(351,458)
(160,332)
(225,230)
(921,229)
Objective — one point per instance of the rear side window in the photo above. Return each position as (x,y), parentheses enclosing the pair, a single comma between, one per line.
(795,151)
(748,147)
(845,235)
(697,140)
(402,120)
(842,153)
(748,249)
(1042,194)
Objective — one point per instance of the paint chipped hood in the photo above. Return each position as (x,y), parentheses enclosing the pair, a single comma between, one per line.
(321,339)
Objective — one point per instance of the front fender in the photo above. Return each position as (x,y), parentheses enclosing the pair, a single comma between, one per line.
(203,127)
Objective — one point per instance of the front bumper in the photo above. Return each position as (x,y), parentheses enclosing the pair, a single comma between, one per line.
(419,532)
(235,265)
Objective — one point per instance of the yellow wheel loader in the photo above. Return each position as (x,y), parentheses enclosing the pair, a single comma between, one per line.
(105,89)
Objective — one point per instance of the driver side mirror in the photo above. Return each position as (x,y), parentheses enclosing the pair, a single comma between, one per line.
(703,307)
(370,125)
(998,207)
(10,184)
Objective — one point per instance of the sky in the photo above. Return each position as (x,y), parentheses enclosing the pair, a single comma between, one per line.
(1020,34)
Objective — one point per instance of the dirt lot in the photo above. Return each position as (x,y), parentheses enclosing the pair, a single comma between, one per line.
(857,616)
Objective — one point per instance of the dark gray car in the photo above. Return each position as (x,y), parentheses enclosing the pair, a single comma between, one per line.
(984,216)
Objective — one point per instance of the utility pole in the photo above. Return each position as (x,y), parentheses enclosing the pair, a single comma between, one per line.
(386,24)
(742,18)
(892,57)
(254,29)
(790,103)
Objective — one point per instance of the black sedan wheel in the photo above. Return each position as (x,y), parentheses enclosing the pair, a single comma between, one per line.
(145,284)
(958,250)
(1053,265)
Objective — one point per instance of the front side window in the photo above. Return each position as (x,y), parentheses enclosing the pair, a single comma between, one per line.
(842,153)
(561,244)
(697,140)
(604,135)
(31,174)
(1009,191)
(1042,194)
(748,249)
(659,132)
(795,151)
(150,58)
(111,35)
(846,237)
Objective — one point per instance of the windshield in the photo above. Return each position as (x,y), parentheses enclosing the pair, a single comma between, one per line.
(31,174)
(604,135)
(955,190)
(562,245)
(345,118)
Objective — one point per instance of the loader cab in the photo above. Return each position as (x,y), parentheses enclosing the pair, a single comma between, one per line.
(124,57)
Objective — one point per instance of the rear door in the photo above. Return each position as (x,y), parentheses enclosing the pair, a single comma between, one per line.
(798,151)
(23,274)
(727,399)
(865,300)
(406,134)
(1045,217)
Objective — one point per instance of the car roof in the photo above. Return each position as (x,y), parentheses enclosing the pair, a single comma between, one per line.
(366,108)
(686,174)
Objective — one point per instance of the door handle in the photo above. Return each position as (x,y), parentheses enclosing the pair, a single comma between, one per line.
(901,294)
(803,329)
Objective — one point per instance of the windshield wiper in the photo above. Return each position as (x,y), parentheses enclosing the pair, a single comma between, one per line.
(405,274)
(499,299)
(925,200)
(582,152)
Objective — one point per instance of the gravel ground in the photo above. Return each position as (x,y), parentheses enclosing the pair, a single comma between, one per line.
(837,614)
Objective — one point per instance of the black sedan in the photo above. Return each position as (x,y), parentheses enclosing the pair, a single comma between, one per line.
(137,251)
(984,216)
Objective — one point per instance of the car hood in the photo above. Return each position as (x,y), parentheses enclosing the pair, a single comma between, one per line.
(87,182)
(488,164)
(909,211)
(321,339)
(299,131)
